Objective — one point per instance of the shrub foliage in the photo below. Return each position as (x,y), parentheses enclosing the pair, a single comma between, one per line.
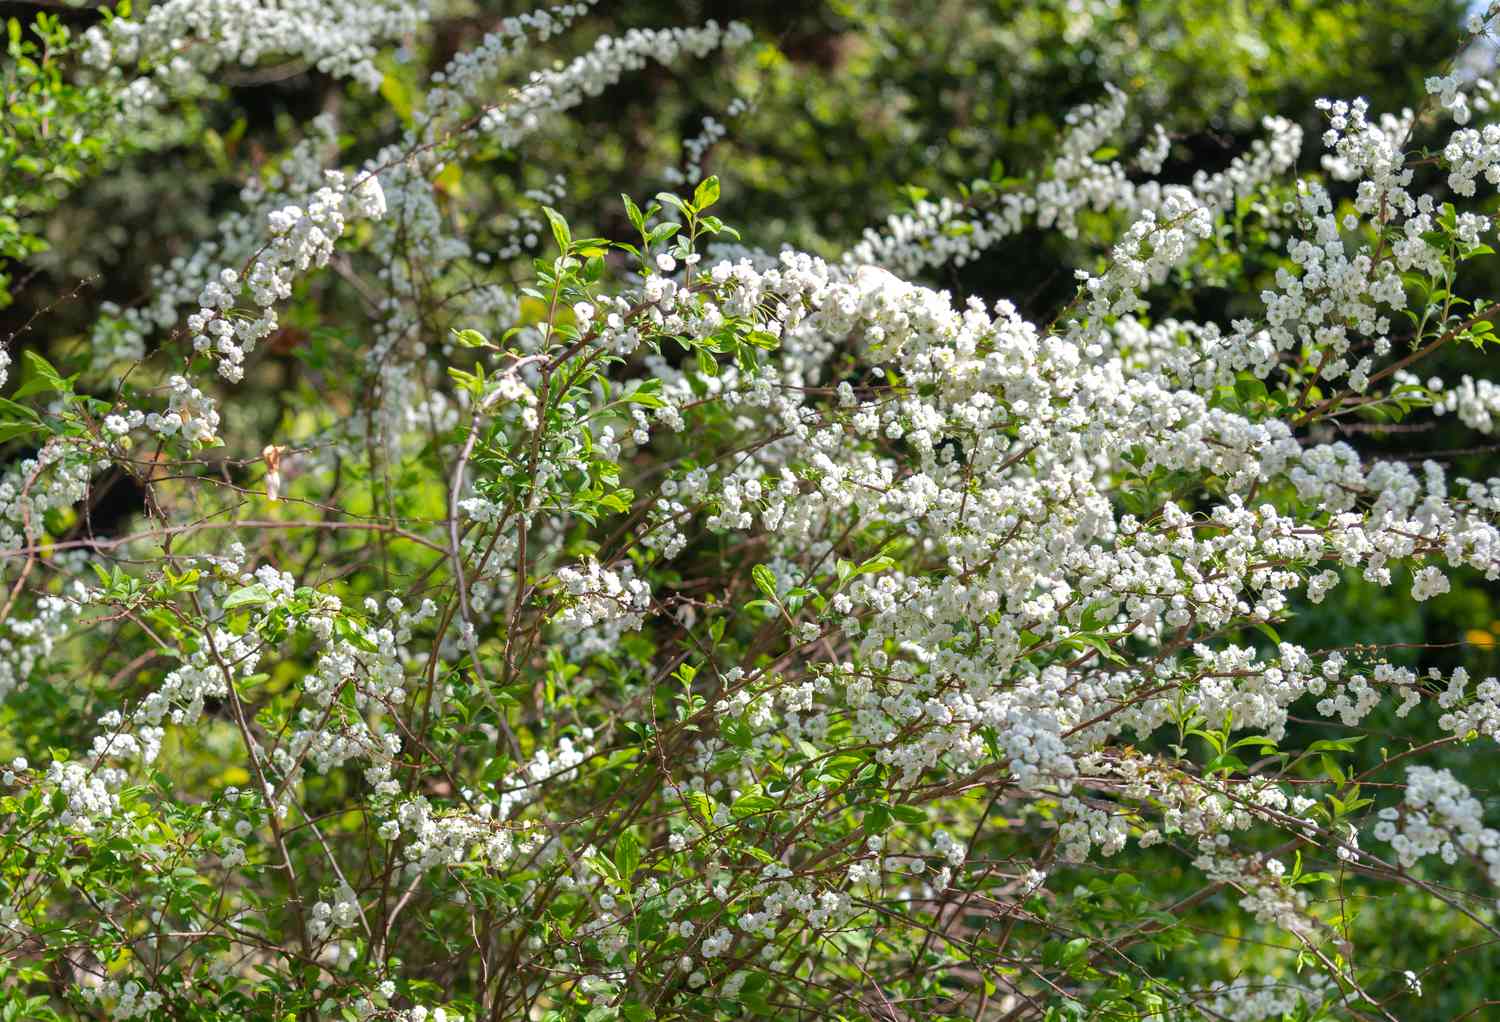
(437,586)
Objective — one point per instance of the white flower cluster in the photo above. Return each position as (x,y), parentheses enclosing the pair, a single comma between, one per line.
(127,999)
(88,795)
(26,642)
(328,917)
(1472,154)
(1264,999)
(1475,402)
(1438,816)
(57,477)
(300,238)
(597,595)
(937,233)
(965,356)
(1149,248)
(436,839)
(185,42)
(1266,893)
(469,79)
(190,414)
(1449,90)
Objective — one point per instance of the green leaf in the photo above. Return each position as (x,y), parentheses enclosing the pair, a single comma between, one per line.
(707,193)
(748,805)
(765,580)
(627,855)
(247,596)
(909,814)
(736,732)
(11,430)
(633,212)
(471,339)
(643,396)
(1268,631)
(559,228)
(604,867)
(43,377)
(1098,645)
(1332,769)
(1227,763)
(703,804)
(662,232)
(1097,614)
(9,408)
(618,501)
(471,382)
(1335,744)
(1248,388)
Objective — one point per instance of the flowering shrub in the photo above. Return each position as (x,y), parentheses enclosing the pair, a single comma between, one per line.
(662,626)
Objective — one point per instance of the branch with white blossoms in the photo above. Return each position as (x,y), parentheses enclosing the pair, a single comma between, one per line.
(725,614)
(183,44)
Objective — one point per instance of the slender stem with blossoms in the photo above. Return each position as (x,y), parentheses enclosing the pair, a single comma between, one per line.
(658,626)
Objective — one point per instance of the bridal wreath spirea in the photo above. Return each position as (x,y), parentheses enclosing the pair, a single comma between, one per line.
(509,624)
